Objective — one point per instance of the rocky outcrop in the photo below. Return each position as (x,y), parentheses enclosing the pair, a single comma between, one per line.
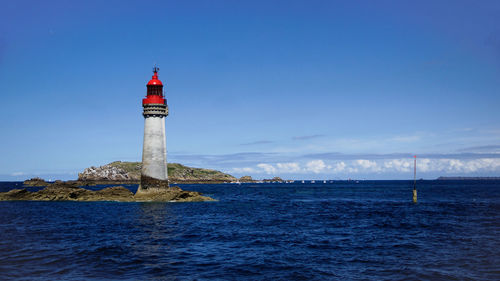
(181,173)
(110,172)
(131,172)
(35,182)
(246,179)
(172,194)
(275,179)
(71,192)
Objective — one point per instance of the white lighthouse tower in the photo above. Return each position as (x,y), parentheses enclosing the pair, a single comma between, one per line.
(154,176)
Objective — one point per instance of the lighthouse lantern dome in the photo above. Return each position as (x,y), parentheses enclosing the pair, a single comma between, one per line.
(154,80)
(155,87)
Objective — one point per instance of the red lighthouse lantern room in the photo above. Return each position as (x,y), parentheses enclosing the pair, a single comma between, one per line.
(155,90)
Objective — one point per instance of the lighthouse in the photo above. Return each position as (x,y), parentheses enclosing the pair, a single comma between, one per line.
(154,176)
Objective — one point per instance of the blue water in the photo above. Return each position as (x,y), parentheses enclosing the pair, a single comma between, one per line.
(337,231)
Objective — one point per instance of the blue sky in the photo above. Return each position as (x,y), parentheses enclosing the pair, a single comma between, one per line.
(297,89)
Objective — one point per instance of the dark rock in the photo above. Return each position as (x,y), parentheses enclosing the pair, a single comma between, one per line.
(35,182)
(61,191)
(15,194)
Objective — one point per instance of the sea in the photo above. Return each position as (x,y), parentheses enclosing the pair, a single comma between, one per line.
(334,230)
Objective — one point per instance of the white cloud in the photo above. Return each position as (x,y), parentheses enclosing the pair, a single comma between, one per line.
(280,168)
(463,166)
(457,166)
(244,170)
(292,167)
(268,168)
(316,166)
(400,165)
(389,166)
(15,174)
(339,167)
(367,165)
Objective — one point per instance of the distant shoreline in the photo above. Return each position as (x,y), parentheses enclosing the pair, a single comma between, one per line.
(469,178)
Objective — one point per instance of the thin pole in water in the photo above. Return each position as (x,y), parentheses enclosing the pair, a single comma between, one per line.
(415,179)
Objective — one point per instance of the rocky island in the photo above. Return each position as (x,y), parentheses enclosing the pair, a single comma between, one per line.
(246,179)
(130,173)
(35,182)
(275,179)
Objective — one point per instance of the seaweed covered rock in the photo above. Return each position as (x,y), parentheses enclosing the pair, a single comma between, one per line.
(172,194)
(36,181)
(62,191)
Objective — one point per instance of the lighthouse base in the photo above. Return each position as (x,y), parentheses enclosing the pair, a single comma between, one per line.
(149,185)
